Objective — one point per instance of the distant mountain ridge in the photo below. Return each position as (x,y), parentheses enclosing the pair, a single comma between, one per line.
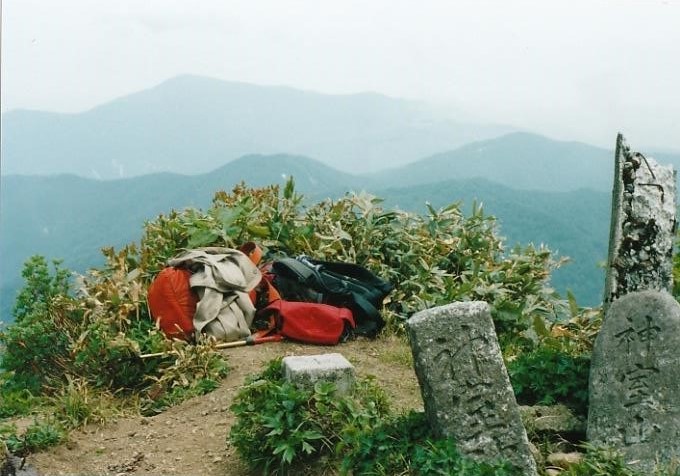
(192,124)
(520,160)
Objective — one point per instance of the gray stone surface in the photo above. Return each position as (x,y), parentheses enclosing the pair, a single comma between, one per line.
(305,371)
(642,225)
(635,379)
(551,419)
(465,385)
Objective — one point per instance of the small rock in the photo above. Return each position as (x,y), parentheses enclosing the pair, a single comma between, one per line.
(217,459)
(145,421)
(131,434)
(564,460)
(551,418)
(168,450)
(552,471)
(205,413)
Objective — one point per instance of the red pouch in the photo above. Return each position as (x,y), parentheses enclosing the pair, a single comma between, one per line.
(310,322)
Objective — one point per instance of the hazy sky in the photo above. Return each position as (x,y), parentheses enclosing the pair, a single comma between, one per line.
(579,70)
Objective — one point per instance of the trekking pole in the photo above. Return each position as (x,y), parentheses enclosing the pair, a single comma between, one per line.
(250,340)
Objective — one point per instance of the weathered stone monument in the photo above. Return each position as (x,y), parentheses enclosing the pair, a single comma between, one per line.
(635,379)
(642,225)
(465,385)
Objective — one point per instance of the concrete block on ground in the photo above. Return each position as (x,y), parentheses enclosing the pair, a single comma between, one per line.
(304,371)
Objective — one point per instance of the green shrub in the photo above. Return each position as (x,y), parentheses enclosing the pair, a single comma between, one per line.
(16,400)
(95,339)
(432,259)
(78,404)
(405,445)
(196,370)
(280,427)
(548,375)
(42,285)
(36,347)
(40,435)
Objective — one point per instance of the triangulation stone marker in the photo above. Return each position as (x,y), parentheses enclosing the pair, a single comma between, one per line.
(304,371)
(635,379)
(465,385)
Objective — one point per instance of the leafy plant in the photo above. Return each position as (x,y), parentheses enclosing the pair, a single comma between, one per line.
(556,368)
(41,434)
(42,284)
(405,445)
(17,401)
(196,370)
(78,404)
(36,346)
(279,427)
(548,375)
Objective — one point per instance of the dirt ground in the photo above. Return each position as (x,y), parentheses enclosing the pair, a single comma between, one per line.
(191,438)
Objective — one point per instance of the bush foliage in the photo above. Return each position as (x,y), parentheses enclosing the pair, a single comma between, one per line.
(432,259)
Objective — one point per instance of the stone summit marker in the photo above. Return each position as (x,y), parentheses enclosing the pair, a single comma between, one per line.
(635,379)
(465,385)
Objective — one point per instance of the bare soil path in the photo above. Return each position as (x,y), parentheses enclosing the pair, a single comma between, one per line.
(191,438)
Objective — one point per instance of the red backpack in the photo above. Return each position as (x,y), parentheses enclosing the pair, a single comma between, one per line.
(172,303)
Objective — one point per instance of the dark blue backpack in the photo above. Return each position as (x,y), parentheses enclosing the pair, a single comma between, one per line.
(338,284)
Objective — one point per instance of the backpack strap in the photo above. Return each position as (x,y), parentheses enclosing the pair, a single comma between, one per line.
(374,323)
(293,268)
(351,270)
(309,278)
